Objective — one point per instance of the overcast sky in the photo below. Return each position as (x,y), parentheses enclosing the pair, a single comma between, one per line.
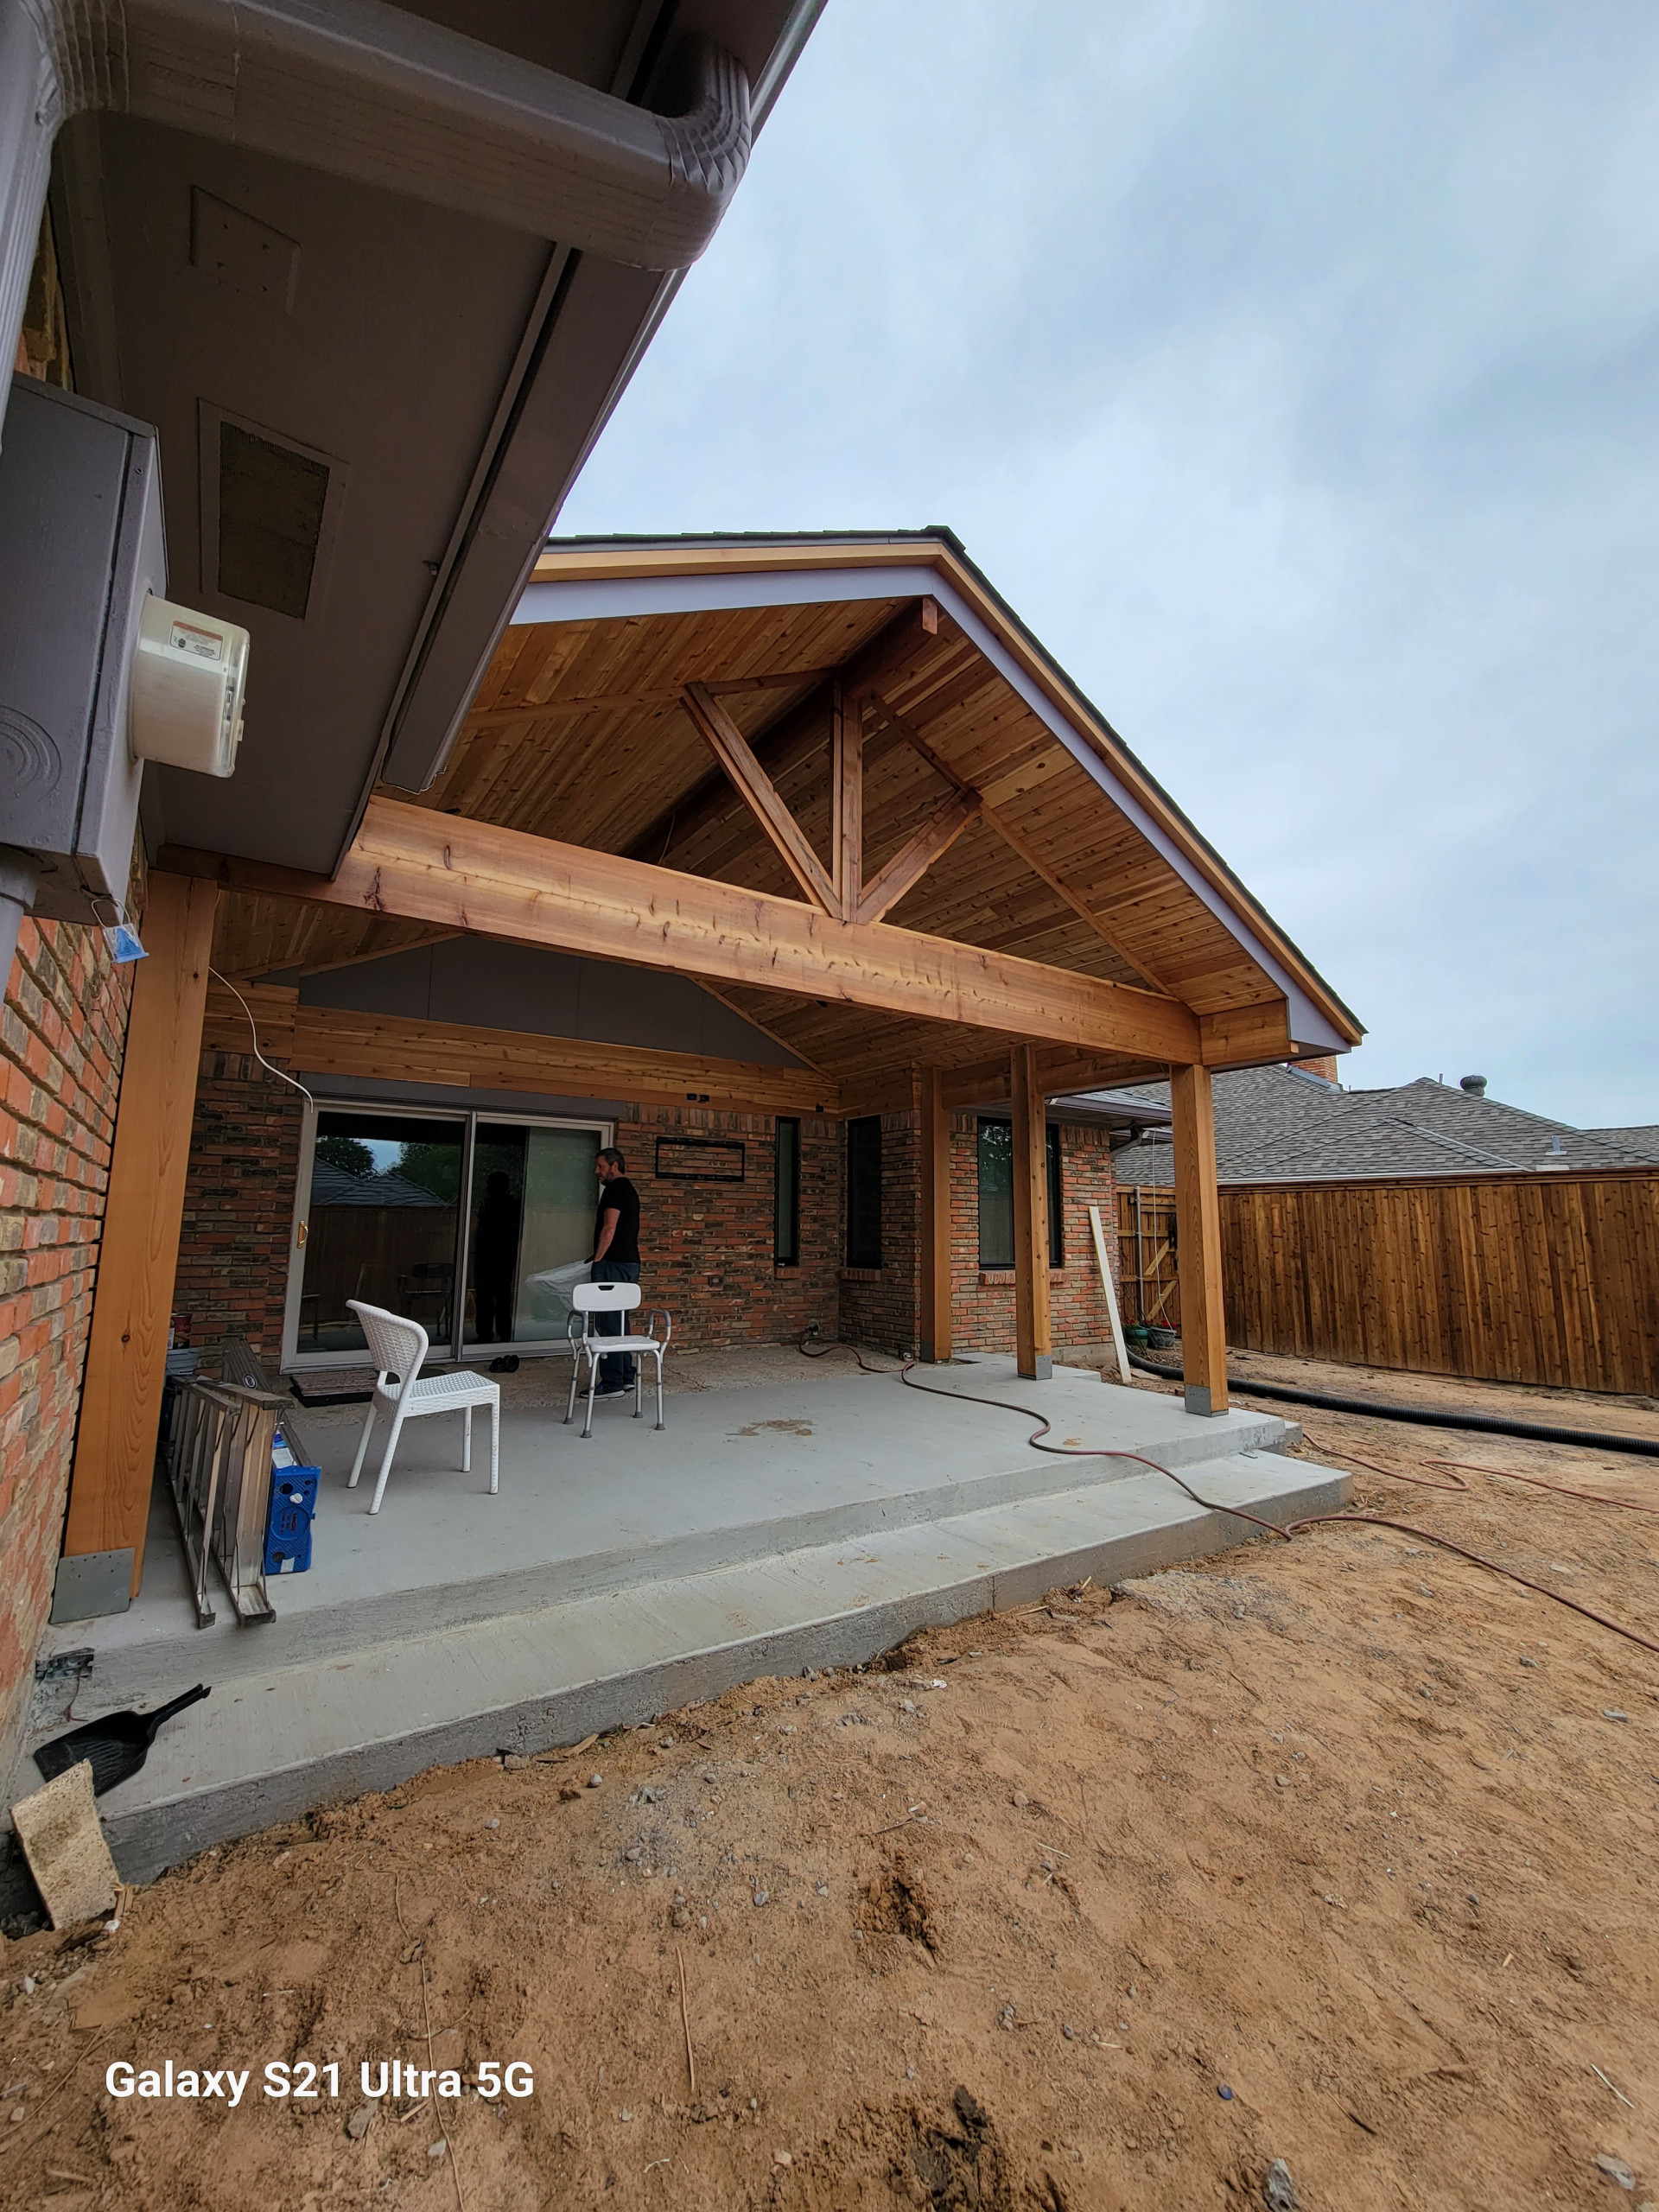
(1293,371)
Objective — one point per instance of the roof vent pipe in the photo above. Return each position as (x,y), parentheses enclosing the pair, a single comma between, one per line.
(1474,1085)
(360,89)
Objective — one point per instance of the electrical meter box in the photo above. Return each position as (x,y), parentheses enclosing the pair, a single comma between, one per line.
(81,550)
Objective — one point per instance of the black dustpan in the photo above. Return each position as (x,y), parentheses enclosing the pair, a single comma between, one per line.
(117,1745)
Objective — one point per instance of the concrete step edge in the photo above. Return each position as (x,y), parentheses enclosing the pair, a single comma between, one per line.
(147,1837)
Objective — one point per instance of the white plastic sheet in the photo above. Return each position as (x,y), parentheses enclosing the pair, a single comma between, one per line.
(549,1304)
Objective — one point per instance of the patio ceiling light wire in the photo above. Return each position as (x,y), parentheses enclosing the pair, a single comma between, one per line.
(254,1029)
(1288,1530)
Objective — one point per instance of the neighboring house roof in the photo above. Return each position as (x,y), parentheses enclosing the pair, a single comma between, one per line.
(1273,1123)
(338,1186)
(1643,1138)
(1253,1107)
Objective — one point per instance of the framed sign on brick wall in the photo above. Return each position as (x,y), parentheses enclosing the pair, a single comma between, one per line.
(699,1159)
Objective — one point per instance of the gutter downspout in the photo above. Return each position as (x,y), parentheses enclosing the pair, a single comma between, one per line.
(19,875)
(360,89)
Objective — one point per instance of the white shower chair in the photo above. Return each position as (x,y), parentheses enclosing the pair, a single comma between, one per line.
(589,1301)
(398,1347)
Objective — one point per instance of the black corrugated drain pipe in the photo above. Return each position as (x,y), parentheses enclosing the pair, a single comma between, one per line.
(1594,1440)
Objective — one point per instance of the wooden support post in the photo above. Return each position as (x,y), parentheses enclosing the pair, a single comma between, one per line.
(935,1219)
(126,1350)
(1033,1340)
(846,801)
(1197,1218)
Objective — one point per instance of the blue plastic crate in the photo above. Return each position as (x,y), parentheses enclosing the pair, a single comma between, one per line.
(293,1508)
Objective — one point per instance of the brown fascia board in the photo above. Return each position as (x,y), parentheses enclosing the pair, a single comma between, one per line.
(620,559)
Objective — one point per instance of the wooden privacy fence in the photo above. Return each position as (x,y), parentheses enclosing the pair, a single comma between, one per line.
(1547,1277)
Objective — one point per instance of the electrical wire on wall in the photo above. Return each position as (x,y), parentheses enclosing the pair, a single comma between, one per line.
(253,1028)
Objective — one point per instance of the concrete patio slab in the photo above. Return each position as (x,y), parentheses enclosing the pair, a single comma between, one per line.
(814,1523)
(831,1454)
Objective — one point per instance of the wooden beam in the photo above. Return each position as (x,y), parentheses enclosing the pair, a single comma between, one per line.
(889,658)
(1246,1036)
(331,1040)
(502,883)
(917,739)
(143,1207)
(509,717)
(915,858)
(797,731)
(735,755)
(847,800)
(1033,1341)
(936,1315)
(1198,1221)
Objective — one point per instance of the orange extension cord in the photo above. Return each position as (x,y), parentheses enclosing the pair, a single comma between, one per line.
(1293,1528)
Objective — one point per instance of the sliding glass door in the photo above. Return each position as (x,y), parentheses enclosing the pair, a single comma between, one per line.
(533,1200)
(380,1218)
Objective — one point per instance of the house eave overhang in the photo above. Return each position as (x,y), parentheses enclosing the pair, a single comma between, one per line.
(533,218)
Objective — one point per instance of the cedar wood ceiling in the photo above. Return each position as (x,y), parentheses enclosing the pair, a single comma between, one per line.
(632,775)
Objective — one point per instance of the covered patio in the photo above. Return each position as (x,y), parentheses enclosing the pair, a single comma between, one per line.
(794,868)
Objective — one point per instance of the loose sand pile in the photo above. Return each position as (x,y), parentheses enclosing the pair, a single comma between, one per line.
(1345,1827)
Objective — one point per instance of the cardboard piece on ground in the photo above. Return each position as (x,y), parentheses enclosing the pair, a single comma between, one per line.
(1119,1347)
(63,1842)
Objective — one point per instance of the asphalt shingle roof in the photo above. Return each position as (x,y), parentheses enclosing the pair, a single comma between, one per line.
(1280,1122)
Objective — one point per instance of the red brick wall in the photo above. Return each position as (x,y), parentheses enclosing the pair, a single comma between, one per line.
(238,1206)
(61,1036)
(882,1305)
(983,1299)
(708,1247)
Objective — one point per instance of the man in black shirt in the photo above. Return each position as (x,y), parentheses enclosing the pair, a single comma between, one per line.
(616,1259)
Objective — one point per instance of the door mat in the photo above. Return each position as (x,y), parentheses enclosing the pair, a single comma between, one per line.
(336,1386)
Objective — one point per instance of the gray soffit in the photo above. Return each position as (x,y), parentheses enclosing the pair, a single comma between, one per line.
(614,598)
(527,988)
(428,324)
(1110,1109)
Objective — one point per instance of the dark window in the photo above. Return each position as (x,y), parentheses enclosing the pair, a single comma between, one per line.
(1055,1212)
(864,1191)
(996,1196)
(786,1196)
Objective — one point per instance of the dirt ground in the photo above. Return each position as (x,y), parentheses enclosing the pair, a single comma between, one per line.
(1339,1853)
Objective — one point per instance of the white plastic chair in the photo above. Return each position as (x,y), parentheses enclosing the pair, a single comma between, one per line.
(397,1348)
(589,1299)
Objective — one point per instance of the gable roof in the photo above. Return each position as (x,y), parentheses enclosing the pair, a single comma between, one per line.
(1057,847)
(1280,1122)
